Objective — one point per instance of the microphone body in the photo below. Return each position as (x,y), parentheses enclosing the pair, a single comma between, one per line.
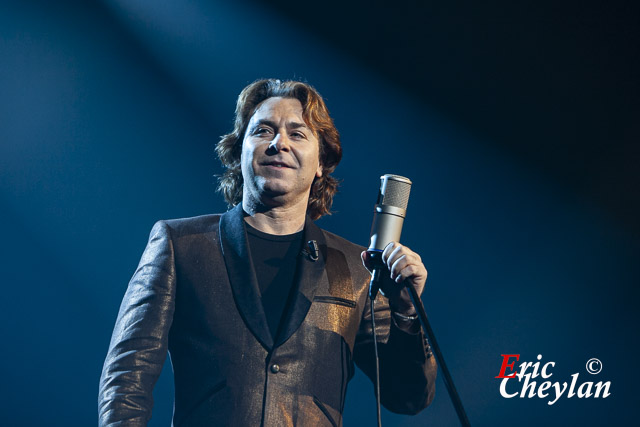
(389,213)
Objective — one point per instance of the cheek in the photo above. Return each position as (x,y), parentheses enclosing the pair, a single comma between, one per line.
(318,164)
(313,157)
(246,159)
(247,151)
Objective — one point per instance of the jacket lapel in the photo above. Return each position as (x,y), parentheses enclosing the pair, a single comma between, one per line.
(242,276)
(308,276)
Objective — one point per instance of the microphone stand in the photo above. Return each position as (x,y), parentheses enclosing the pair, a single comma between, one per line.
(448,381)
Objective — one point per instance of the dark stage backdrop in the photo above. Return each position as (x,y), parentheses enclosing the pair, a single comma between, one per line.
(518,124)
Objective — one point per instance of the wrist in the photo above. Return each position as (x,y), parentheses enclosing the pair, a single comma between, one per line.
(401,303)
(405,317)
(406,323)
(402,307)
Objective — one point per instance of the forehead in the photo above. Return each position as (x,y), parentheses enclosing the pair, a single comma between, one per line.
(278,108)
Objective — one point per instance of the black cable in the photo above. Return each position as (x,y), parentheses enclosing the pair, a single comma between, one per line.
(375,347)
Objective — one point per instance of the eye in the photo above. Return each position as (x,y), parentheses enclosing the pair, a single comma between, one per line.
(261,130)
(298,135)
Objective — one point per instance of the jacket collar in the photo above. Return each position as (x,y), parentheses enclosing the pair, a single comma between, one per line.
(309,274)
(244,283)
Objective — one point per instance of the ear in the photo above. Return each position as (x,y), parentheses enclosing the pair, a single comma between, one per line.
(319,171)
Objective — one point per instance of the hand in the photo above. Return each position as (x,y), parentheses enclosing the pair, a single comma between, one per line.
(403,265)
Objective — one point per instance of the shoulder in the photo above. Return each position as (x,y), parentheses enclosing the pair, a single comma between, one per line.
(333,240)
(341,255)
(181,227)
(341,250)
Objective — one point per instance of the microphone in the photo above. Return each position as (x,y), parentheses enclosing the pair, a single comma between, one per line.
(311,251)
(389,213)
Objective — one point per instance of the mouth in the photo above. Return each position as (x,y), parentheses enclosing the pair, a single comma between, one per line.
(276,164)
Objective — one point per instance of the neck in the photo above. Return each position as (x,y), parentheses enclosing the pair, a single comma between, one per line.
(278,220)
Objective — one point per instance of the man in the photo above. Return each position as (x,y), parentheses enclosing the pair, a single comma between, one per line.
(262,312)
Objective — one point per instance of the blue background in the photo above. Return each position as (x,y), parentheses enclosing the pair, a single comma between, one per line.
(518,124)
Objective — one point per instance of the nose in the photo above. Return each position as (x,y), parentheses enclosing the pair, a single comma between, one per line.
(279,143)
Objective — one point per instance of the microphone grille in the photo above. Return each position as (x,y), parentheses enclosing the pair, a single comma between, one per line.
(394,191)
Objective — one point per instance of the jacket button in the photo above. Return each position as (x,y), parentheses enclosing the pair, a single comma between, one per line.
(275,368)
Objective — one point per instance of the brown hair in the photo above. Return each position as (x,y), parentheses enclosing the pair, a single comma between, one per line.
(316,116)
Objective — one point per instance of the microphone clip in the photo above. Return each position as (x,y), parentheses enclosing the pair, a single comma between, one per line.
(377,269)
(311,251)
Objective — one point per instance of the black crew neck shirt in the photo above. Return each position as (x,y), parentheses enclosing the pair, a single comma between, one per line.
(275,259)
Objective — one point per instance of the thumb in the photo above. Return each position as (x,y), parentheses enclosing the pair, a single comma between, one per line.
(365,259)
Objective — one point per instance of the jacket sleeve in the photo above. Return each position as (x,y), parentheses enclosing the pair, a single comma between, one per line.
(407,366)
(139,342)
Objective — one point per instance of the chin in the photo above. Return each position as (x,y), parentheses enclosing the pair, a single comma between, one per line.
(278,190)
(275,188)
(271,192)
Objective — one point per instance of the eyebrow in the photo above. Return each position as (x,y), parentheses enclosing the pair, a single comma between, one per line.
(296,125)
(290,125)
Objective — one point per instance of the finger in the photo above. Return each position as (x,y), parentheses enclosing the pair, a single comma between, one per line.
(394,250)
(365,260)
(408,272)
(387,251)
(405,273)
(397,266)
(403,255)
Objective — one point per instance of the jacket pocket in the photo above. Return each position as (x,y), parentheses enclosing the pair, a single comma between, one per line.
(325,411)
(335,300)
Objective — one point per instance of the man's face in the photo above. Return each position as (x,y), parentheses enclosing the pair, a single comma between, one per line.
(280,154)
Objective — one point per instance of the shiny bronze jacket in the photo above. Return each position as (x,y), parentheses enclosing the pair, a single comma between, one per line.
(196,295)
